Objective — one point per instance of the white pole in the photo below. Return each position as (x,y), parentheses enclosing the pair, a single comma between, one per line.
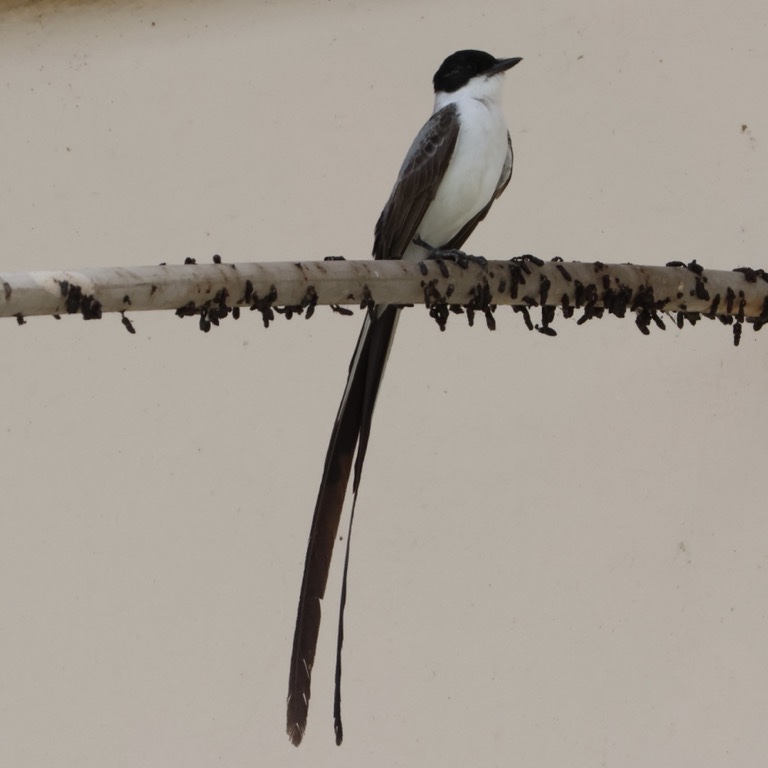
(578,289)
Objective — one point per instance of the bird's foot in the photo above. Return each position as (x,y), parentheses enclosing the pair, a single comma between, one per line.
(460,258)
(441,255)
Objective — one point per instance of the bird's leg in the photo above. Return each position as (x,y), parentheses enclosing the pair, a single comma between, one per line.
(441,255)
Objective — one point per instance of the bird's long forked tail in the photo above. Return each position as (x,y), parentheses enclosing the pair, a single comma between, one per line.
(351,429)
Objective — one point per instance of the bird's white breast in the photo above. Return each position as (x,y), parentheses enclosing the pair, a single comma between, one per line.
(473,173)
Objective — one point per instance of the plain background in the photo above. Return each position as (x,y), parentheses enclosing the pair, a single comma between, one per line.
(561,547)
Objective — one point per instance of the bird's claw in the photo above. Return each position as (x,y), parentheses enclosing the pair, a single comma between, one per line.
(461,259)
(441,255)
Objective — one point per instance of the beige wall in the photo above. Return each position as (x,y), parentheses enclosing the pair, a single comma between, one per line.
(561,551)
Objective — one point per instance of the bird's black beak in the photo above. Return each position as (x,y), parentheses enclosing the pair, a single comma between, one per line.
(502,65)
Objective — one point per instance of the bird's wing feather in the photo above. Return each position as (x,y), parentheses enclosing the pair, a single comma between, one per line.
(417,183)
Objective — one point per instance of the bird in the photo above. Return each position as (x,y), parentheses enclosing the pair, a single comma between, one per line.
(457,166)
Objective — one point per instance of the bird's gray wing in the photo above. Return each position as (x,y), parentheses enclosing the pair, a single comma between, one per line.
(506,174)
(417,183)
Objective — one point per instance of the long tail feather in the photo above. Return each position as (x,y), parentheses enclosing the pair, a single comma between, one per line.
(378,354)
(353,422)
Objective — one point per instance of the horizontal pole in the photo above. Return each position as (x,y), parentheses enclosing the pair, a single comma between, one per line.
(523,282)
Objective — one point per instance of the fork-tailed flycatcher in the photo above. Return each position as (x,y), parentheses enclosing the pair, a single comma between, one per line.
(458,164)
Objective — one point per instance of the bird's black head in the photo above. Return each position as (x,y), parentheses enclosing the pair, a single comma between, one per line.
(460,67)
